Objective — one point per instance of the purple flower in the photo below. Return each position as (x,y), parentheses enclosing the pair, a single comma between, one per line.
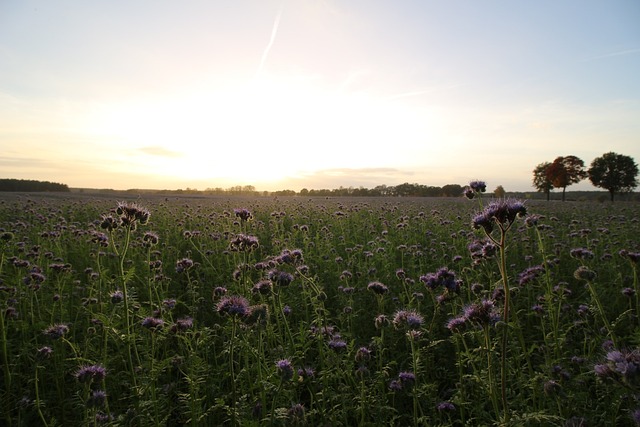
(233,305)
(45,352)
(306,372)
(117,296)
(97,399)
(280,278)
(243,214)
(584,273)
(285,368)
(581,253)
(130,213)
(263,287)
(478,186)
(530,274)
(363,354)
(409,318)
(183,265)
(182,325)
(395,385)
(152,323)
(89,373)
(407,378)
(501,212)
(243,243)
(378,288)
(443,277)
(337,344)
(56,331)
(445,407)
(456,324)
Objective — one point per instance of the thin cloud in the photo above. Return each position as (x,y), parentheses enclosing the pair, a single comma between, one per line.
(155,150)
(614,54)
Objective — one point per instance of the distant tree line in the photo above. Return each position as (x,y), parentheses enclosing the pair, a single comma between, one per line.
(613,172)
(8,184)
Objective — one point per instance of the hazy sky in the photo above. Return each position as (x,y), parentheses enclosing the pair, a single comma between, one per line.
(316,94)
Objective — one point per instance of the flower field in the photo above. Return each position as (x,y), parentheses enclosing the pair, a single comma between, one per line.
(313,311)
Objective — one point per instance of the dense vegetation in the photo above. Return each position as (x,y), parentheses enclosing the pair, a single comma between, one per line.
(315,311)
(7,184)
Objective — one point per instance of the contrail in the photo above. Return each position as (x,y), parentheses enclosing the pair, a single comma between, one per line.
(274,31)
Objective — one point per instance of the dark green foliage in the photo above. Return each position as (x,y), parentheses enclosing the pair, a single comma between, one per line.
(614,172)
(154,313)
(31,185)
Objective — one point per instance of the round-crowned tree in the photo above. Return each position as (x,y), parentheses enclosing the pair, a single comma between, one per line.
(614,172)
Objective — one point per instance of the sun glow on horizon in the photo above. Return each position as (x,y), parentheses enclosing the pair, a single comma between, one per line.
(255,131)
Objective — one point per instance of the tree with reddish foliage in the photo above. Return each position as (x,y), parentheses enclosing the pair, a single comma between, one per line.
(564,171)
(614,172)
(540,180)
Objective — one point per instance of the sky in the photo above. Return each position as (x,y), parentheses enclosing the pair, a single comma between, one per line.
(292,94)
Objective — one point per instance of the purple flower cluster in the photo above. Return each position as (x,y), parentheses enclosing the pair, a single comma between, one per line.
(128,215)
(285,368)
(481,250)
(280,278)
(622,366)
(530,274)
(90,373)
(183,265)
(483,313)
(243,243)
(56,331)
(409,319)
(501,212)
(442,278)
(233,306)
(244,214)
(378,288)
(404,380)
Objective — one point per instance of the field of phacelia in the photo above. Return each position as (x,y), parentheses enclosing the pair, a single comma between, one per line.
(336,312)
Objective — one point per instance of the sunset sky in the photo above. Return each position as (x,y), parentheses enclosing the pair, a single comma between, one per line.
(317,94)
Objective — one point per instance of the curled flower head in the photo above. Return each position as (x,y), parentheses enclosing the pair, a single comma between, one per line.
(285,369)
(233,306)
(581,253)
(501,212)
(150,238)
(584,273)
(407,318)
(183,265)
(89,373)
(263,287)
(130,213)
(117,296)
(478,186)
(97,399)
(243,214)
(56,331)
(443,277)
(183,324)
(243,243)
(152,323)
(280,278)
(378,288)
(407,378)
(621,366)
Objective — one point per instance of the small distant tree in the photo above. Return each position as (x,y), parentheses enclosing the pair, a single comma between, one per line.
(614,172)
(541,181)
(499,192)
(564,171)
